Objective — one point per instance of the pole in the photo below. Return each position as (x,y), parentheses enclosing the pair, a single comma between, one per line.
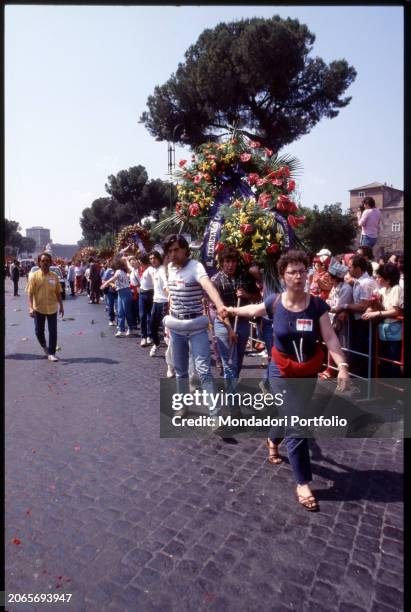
(230,358)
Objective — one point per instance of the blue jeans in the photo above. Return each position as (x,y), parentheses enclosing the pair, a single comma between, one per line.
(158,312)
(296,400)
(231,367)
(199,345)
(39,327)
(110,298)
(145,301)
(124,309)
(367,241)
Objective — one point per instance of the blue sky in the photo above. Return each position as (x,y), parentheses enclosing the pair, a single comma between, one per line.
(78,78)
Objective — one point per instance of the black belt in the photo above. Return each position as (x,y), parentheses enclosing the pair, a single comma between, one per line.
(193,315)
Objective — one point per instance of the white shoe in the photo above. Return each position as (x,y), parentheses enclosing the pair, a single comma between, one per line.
(120,334)
(130,332)
(154,350)
(111,323)
(149,341)
(170,373)
(143,342)
(52,358)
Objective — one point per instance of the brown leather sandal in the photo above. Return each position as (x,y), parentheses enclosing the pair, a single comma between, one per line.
(273,457)
(308,502)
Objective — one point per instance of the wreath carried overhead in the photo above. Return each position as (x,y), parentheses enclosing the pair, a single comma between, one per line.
(133,237)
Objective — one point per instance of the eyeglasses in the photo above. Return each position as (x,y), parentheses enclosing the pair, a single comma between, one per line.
(295,272)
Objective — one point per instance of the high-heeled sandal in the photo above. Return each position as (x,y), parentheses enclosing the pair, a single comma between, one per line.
(308,502)
(273,457)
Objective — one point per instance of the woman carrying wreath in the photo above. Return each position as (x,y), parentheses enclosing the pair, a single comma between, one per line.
(300,322)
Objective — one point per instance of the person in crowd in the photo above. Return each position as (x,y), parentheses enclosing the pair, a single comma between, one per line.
(188,326)
(109,292)
(300,322)
(121,282)
(369,222)
(95,281)
(386,310)
(235,287)
(393,258)
(15,275)
(400,265)
(320,283)
(145,299)
(160,298)
(134,274)
(341,293)
(71,277)
(366,252)
(363,288)
(44,294)
(86,280)
(79,273)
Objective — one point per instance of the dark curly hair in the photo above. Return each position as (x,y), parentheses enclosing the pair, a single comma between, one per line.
(292,257)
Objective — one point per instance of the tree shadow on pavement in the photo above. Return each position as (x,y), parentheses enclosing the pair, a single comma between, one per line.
(31,357)
(350,484)
(25,357)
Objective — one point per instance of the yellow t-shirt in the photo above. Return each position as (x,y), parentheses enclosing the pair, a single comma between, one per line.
(45,289)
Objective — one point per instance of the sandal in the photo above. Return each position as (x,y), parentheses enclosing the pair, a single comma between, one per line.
(326,375)
(308,502)
(273,457)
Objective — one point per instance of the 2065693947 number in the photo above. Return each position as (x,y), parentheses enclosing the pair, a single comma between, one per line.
(38,597)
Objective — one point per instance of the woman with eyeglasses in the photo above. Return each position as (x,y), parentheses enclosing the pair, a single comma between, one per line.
(300,323)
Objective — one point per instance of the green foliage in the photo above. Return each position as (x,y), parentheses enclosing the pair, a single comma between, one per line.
(132,197)
(27,245)
(252,74)
(12,236)
(106,243)
(328,228)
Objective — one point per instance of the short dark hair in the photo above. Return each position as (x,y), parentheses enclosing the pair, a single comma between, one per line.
(389,272)
(369,200)
(366,251)
(181,241)
(229,252)
(119,264)
(292,257)
(157,255)
(45,254)
(143,258)
(359,262)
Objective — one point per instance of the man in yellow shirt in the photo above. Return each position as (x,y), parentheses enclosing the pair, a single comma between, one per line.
(44,293)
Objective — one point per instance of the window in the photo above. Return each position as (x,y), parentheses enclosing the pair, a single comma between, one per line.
(361,194)
(396,227)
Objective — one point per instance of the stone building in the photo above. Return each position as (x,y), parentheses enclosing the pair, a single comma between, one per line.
(41,235)
(390,201)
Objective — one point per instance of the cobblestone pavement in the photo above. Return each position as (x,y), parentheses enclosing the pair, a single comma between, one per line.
(98,506)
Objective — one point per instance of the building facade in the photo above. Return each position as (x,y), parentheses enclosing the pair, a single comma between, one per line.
(41,235)
(390,202)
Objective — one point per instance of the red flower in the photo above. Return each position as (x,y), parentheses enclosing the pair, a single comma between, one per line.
(291,185)
(268,152)
(254,144)
(16,541)
(197,178)
(182,162)
(273,248)
(264,200)
(194,209)
(292,207)
(245,157)
(219,247)
(207,177)
(237,204)
(261,182)
(282,207)
(277,182)
(178,208)
(295,221)
(246,228)
(247,258)
(284,170)
(211,157)
(253,178)
(284,199)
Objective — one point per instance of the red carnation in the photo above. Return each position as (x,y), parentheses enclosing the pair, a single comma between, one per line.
(178,208)
(264,200)
(261,182)
(273,248)
(254,144)
(268,152)
(245,157)
(284,199)
(253,178)
(291,185)
(295,221)
(246,228)
(284,170)
(197,178)
(219,247)
(292,207)
(182,162)
(247,258)
(194,209)
(277,182)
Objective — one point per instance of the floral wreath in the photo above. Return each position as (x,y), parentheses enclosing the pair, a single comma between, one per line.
(84,253)
(135,237)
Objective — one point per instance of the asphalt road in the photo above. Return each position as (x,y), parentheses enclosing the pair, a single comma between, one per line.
(97,505)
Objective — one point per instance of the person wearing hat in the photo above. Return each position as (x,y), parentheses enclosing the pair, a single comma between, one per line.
(341,293)
(320,283)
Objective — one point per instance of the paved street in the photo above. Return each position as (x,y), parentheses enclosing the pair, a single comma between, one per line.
(98,506)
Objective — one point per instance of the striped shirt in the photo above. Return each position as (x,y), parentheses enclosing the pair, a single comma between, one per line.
(185,290)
